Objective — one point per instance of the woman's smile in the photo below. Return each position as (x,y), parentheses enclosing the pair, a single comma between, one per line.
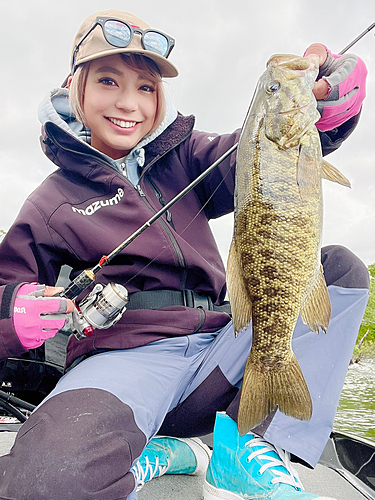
(122,123)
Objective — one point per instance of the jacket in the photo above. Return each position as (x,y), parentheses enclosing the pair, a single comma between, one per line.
(86,208)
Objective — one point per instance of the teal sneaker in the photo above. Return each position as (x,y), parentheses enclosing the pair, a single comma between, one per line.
(167,455)
(248,467)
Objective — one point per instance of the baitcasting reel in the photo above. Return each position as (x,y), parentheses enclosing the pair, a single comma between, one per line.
(101,308)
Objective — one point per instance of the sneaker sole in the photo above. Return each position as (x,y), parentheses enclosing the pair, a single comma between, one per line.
(202,454)
(212,493)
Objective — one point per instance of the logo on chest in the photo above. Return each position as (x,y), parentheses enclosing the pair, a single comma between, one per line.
(98,204)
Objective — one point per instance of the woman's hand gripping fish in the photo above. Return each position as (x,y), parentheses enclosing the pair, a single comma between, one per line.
(274,271)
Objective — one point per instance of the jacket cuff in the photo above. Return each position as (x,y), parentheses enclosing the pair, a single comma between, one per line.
(10,344)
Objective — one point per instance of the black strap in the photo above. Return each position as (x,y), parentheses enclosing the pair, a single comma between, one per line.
(6,300)
(156,299)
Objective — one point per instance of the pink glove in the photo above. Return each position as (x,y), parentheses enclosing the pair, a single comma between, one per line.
(344,78)
(37,317)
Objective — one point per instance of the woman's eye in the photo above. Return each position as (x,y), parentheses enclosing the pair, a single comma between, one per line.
(107,81)
(147,88)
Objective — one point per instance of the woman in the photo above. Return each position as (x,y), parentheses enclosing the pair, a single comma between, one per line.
(172,361)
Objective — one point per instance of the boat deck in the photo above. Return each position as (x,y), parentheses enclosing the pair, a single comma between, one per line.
(321,481)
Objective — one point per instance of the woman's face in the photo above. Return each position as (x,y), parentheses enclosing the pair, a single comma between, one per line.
(119,106)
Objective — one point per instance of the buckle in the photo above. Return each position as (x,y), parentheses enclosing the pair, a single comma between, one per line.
(193,299)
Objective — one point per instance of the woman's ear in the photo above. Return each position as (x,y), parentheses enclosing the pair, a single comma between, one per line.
(68,81)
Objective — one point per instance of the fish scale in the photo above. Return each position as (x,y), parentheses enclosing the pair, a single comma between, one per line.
(274,271)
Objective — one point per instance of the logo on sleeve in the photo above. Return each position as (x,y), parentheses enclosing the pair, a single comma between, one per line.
(96,205)
(20,310)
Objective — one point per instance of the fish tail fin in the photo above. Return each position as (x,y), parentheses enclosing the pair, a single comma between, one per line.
(265,390)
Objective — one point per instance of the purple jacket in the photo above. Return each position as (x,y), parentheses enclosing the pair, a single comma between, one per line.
(86,208)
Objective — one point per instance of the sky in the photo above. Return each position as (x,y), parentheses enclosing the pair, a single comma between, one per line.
(221,51)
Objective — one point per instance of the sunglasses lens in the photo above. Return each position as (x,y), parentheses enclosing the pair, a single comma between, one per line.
(156,42)
(117,33)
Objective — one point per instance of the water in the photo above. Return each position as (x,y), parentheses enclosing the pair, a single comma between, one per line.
(356,411)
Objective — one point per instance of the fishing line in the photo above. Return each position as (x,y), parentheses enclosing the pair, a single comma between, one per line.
(364,465)
(87,277)
(185,229)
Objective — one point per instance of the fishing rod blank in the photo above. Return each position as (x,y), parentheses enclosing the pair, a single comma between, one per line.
(358,38)
(87,277)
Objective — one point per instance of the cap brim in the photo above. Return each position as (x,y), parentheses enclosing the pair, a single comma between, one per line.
(167,69)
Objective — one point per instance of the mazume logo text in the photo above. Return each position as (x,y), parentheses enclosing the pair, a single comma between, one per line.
(96,205)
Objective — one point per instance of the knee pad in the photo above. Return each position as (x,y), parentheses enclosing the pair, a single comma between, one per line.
(343,268)
(75,445)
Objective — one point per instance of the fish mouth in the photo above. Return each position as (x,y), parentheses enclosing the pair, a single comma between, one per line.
(293,62)
(293,110)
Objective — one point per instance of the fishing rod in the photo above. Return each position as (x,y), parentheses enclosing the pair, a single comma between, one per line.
(12,404)
(356,39)
(104,306)
(86,278)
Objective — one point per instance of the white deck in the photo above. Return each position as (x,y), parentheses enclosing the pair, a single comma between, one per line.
(321,481)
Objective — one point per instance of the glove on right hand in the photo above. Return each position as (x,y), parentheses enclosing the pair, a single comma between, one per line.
(345,80)
(37,317)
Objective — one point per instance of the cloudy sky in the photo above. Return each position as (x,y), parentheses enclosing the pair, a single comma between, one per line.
(221,50)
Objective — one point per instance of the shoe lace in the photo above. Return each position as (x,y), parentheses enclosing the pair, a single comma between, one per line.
(148,471)
(288,476)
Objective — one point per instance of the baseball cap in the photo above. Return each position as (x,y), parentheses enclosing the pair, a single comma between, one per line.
(95,45)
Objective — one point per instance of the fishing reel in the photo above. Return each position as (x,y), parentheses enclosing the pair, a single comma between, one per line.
(101,308)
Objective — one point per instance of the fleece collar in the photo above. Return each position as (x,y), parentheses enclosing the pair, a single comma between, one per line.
(132,164)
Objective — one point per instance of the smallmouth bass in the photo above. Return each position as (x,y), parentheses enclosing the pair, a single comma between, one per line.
(274,271)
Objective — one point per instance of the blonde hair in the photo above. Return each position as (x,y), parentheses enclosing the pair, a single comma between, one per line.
(145,66)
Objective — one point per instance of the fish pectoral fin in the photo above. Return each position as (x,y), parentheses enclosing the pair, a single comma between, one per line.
(316,309)
(331,173)
(308,176)
(263,390)
(238,296)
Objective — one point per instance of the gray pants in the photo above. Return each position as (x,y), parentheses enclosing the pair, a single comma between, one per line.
(82,440)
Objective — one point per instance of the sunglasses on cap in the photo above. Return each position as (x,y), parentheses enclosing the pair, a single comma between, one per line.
(120,34)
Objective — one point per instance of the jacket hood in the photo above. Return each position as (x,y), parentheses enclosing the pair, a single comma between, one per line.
(55,109)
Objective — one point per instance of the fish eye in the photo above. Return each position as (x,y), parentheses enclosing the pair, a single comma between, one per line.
(273,87)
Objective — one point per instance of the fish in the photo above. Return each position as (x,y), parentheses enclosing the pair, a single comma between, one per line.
(274,271)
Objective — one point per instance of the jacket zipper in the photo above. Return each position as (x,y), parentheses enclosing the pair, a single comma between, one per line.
(161,201)
(167,231)
(172,239)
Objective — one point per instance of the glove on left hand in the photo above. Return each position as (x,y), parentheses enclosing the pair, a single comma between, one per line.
(36,317)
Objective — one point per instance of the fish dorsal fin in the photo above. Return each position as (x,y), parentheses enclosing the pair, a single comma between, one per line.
(316,309)
(331,173)
(241,304)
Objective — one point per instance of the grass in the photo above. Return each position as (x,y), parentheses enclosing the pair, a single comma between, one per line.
(366,336)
